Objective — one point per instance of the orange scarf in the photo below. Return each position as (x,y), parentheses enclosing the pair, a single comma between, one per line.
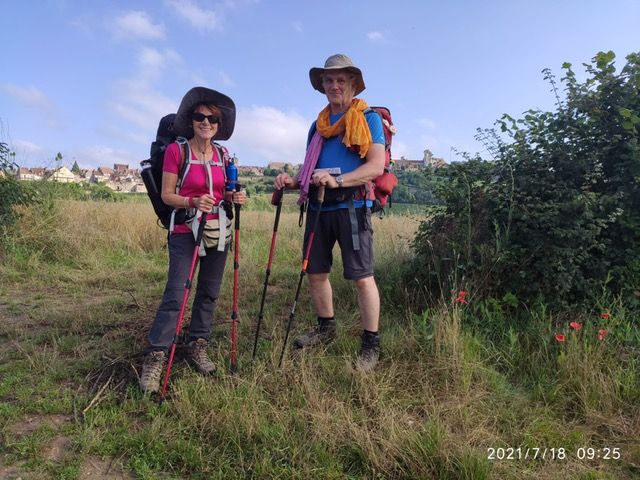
(352,124)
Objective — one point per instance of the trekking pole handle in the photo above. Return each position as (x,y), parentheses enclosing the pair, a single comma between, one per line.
(237,188)
(203,221)
(276,197)
(237,207)
(321,189)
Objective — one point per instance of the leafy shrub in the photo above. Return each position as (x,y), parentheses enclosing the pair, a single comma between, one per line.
(75,191)
(416,187)
(556,214)
(13,193)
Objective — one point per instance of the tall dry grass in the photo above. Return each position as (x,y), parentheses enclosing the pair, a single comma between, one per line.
(79,229)
(430,411)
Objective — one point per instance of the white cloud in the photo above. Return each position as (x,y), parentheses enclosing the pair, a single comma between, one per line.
(82,23)
(297,26)
(30,154)
(25,147)
(433,143)
(34,98)
(226,80)
(427,123)
(30,96)
(136,101)
(150,58)
(136,24)
(100,155)
(400,149)
(199,18)
(265,134)
(375,36)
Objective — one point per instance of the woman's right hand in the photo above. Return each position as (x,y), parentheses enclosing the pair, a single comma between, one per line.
(204,203)
(283,180)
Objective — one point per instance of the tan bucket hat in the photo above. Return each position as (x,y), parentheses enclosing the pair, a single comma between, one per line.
(182,125)
(339,61)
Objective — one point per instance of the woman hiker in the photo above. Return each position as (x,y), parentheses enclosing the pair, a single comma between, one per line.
(204,115)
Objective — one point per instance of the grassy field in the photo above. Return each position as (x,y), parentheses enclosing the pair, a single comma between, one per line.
(462,391)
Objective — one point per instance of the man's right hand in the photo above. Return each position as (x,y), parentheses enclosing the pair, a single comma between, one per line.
(284,180)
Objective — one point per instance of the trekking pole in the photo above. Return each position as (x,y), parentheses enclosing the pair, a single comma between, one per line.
(276,199)
(303,271)
(187,290)
(236,266)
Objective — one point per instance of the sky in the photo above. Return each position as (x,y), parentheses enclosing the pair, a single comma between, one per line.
(91,79)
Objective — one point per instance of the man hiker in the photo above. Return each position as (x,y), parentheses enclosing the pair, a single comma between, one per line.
(345,152)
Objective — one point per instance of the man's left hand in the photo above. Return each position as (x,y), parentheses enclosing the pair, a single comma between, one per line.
(324,178)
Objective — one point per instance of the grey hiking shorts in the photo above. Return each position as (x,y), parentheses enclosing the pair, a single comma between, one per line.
(335,225)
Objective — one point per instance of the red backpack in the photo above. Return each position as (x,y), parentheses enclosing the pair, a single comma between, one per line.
(384,184)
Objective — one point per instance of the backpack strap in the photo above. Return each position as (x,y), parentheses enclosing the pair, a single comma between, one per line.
(223,162)
(353,220)
(185,160)
(185,163)
(223,158)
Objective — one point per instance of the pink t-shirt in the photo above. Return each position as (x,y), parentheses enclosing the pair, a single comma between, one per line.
(195,182)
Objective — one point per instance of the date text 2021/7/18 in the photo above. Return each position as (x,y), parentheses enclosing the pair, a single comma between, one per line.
(553,453)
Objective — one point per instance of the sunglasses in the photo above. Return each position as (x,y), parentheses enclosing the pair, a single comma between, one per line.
(199,117)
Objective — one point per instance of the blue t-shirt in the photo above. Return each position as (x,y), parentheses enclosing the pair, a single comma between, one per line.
(335,154)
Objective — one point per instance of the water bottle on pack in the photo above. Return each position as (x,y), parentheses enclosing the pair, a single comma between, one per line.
(232,175)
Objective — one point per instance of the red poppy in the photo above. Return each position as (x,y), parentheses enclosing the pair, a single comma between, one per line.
(560,337)
(461,298)
(605,315)
(601,333)
(577,326)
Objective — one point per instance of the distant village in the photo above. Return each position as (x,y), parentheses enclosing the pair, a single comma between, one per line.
(121,178)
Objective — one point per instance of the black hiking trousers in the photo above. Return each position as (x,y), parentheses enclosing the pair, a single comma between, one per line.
(210,272)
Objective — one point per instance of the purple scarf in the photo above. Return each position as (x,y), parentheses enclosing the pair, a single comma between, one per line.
(310,162)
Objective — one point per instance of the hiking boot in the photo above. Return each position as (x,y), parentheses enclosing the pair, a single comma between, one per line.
(369,353)
(152,371)
(320,334)
(197,355)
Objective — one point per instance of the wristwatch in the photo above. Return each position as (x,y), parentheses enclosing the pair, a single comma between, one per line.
(339,180)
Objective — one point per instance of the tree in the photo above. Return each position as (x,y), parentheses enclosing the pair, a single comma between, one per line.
(7,158)
(5,164)
(75,168)
(12,191)
(556,214)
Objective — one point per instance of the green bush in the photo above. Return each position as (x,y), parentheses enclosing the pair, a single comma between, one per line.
(416,187)
(12,193)
(75,191)
(556,214)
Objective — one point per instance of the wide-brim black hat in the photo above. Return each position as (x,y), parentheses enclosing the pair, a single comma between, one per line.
(182,125)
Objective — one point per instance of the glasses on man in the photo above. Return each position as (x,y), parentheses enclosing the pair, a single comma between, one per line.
(199,117)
